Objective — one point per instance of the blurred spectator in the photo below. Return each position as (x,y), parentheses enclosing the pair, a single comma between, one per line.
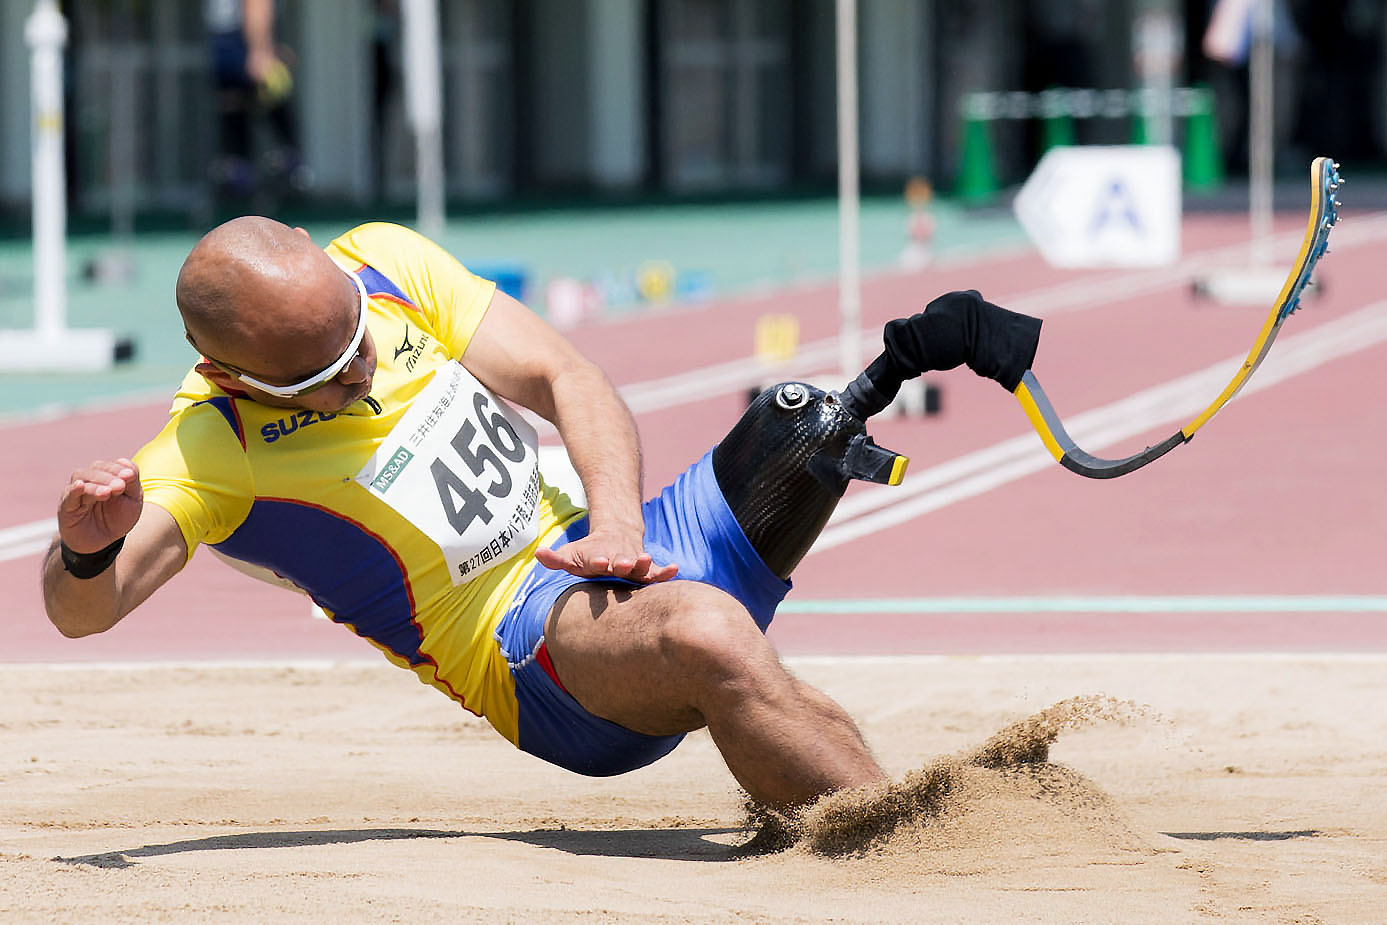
(1059,51)
(1227,44)
(252,80)
(1340,111)
(385,43)
(1059,47)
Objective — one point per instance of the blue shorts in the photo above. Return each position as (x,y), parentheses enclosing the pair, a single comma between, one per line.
(690,525)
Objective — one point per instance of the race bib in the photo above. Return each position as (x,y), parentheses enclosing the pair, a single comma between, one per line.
(463,467)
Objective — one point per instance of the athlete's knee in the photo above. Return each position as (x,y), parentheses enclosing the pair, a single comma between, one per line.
(709,635)
(786,463)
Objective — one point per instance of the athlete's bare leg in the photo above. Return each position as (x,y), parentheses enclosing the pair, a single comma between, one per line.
(674,657)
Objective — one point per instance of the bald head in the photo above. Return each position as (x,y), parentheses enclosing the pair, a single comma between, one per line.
(261,296)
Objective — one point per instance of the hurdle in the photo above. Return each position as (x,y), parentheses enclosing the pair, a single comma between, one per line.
(1058,108)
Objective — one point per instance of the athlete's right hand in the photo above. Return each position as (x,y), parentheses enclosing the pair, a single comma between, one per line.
(101,503)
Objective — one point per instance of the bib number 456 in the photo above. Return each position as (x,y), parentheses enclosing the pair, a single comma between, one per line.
(463,502)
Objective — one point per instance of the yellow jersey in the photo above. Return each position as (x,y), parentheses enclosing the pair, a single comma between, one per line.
(412,517)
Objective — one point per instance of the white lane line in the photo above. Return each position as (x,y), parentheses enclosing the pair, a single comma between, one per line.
(26,539)
(1036,605)
(1126,658)
(56,411)
(721,378)
(1176,401)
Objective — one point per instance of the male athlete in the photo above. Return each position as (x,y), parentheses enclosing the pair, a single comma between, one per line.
(349,427)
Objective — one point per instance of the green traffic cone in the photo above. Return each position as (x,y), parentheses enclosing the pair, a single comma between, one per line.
(1203,160)
(1142,130)
(1057,131)
(977,170)
(1140,133)
(1056,120)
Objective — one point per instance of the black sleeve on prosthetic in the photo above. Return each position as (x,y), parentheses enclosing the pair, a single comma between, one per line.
(954,329)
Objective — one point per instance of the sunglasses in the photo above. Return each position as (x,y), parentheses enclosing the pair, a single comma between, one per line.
(317,380)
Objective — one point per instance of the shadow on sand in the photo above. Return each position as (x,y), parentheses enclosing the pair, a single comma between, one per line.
(1244,836)
(693,844)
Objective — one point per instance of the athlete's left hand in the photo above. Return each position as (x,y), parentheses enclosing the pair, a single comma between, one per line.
(607,554)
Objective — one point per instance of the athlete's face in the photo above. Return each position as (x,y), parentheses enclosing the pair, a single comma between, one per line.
(350,385)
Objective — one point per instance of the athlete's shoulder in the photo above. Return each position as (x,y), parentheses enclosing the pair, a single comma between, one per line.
(404,266)
(377,231)
(396,260)
(377,243)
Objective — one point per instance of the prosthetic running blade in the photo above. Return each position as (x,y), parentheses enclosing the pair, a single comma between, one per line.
(1324,214)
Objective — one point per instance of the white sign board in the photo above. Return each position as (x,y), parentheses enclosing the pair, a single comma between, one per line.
(1104,206)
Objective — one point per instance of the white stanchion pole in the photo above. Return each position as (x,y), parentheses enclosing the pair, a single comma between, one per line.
(1261,115)
(46,34)
(424,103)
(849,257)
(1259,282)
(51,345)
(115,264)
(1158,50)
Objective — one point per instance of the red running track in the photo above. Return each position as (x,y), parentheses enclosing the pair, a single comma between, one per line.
(1280,495)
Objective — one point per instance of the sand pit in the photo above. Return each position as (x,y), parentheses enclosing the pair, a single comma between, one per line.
(1028,789)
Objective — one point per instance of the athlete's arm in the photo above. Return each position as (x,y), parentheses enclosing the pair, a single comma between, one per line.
(102,503)
(516,354)
(257,25)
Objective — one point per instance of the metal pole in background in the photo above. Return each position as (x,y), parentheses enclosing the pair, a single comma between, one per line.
(117,263)
(1242,32)
(1158,48)
(1261,114)
(849,283)
(46,34)
(51,344)
(424,102)
(124,72)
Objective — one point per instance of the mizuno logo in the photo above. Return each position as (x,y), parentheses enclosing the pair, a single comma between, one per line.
(410,350)
(405,347)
